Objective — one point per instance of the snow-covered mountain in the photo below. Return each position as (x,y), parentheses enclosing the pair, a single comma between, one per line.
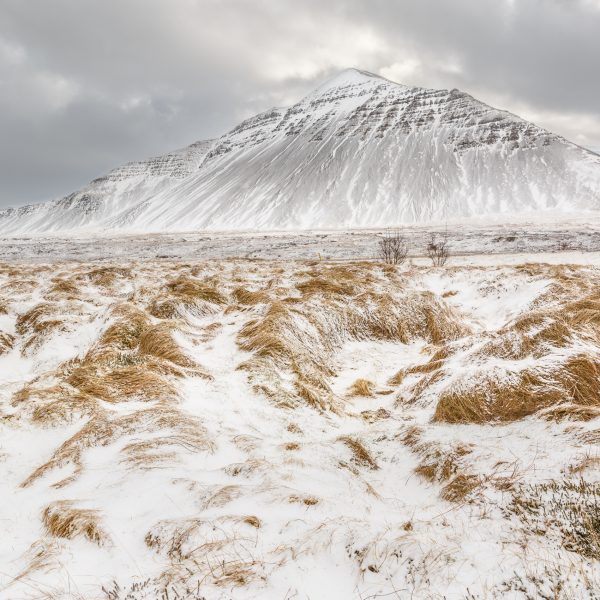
(358,151)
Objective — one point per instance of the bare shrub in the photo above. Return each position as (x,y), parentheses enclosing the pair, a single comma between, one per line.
(438,250)
(393,247)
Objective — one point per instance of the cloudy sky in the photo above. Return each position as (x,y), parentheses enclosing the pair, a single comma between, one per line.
(86,85)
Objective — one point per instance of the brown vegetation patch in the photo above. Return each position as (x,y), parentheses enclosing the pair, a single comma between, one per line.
(306,500)
(106,276)
(62,519)
(247,297)
(6,342)
(318,285)
(38,319)
(572,389)
(216,552)
(460,487)
(183,431)
(149,454)
(302,336)
(58,406)
(64,287)
(157,341)
(188,288)
(360,455)
(362,387)
(568,508)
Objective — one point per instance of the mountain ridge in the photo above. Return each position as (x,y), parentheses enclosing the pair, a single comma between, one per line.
(358,151)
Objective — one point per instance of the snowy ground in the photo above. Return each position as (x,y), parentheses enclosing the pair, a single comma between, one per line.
(576,236)
(243,429)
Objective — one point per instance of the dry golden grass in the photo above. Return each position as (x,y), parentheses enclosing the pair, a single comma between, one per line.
(185,293)
(571,390)
(362,387)
(61,519)
(106,276)
(318,285)
(589,461)
(184,431)
(253,521)
(216,552)
(460,487)
(294,428)
(247,297)
(37,319)
(125,333)
(306,500)
(64,288)
(57,405)
(6,342)
(158,341)
(292,446)
(40,322)
(438,466)
(360,455)
(188,288)
(149,454)
(133,359)
(302,335)
(412,436)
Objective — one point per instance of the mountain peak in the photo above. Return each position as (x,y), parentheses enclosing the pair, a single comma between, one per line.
(359,151)
(351,76)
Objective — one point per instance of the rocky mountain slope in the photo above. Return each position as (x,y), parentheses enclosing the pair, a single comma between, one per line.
(358,151)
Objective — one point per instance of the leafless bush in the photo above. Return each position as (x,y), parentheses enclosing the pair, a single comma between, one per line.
(438,250)
(393,247)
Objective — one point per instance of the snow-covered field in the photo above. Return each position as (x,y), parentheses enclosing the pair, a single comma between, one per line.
(298,429)
(468,240)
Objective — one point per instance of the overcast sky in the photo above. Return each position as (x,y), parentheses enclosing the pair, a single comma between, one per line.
(86,85)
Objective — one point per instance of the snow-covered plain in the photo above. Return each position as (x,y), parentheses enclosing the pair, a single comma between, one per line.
(468,241)
(257,429)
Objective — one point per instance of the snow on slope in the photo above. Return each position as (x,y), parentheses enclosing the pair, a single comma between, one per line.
(109,196)
(358,151)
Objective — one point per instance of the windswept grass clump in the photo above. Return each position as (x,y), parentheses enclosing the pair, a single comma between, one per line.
(212,551)
(572,387)
(106,276)
(157,341)
(362,387)
(247,297)
(181,430)
(132,359)
(360,455)
(44,319)
(187,294)
(38,319)
(442,464)
(61,519)
(301,336)
(6,342)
